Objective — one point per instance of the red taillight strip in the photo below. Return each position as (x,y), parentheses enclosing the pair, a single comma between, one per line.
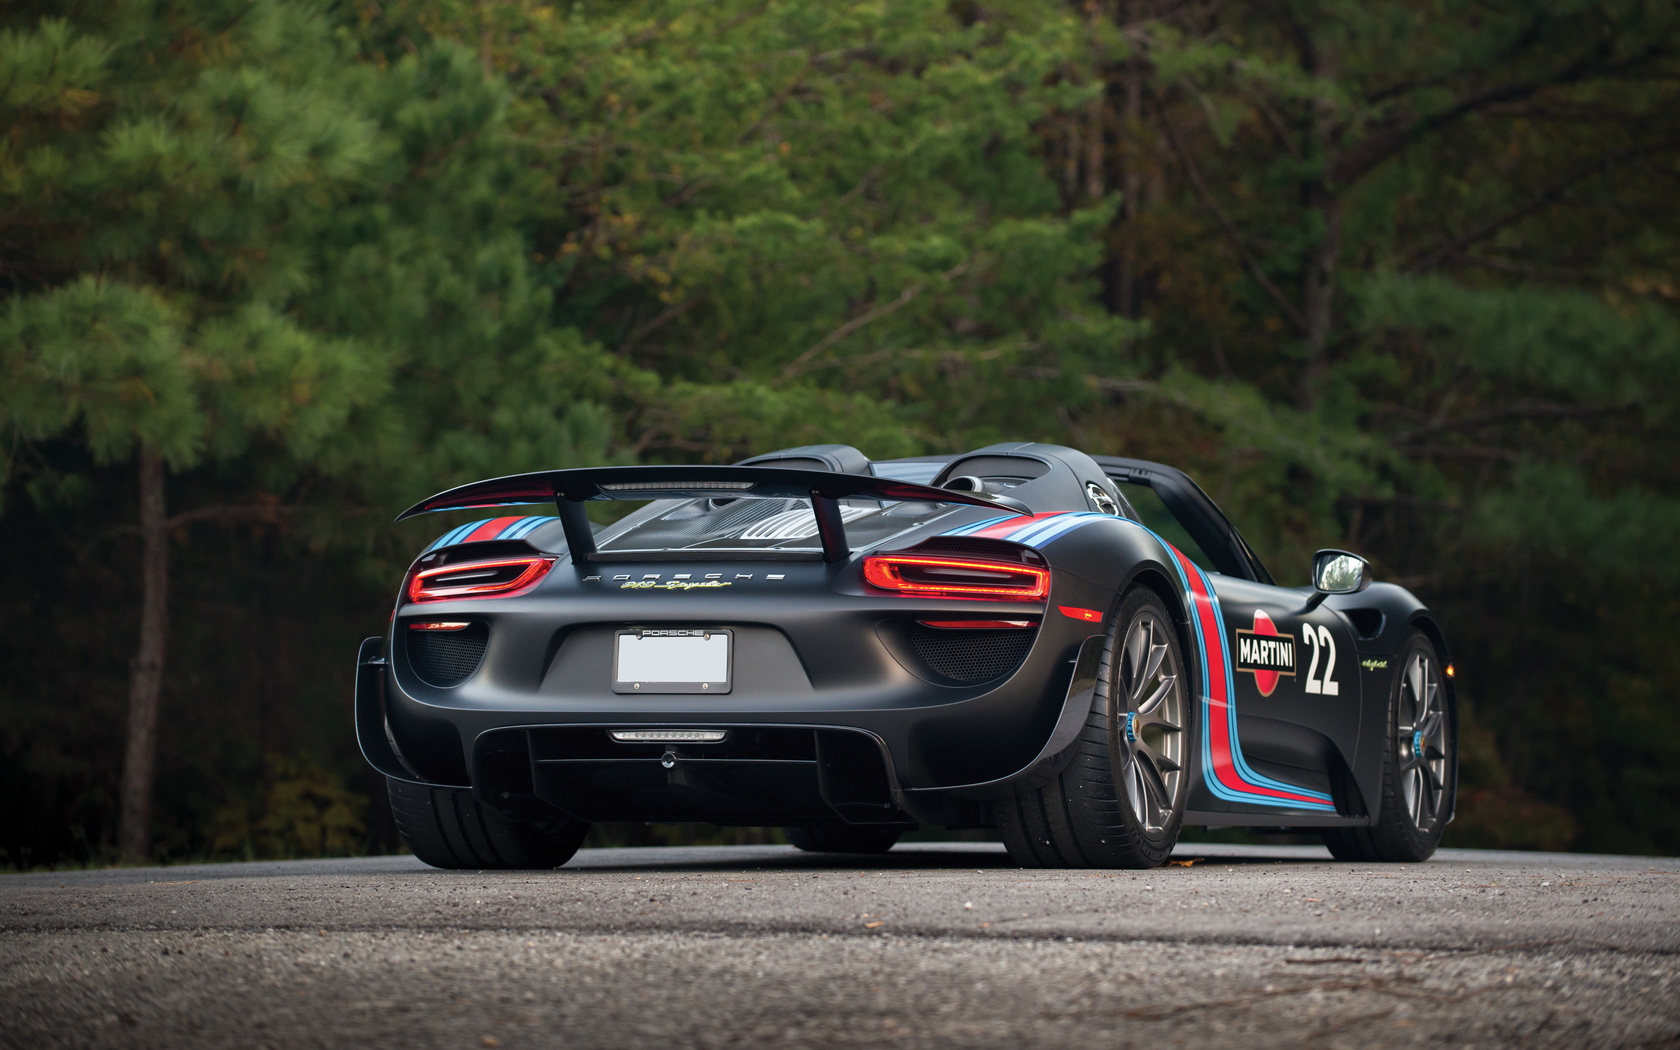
(985,579)
(438,625)
(533,570)
(979,625)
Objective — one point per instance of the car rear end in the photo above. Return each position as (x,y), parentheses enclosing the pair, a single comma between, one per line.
(707,662)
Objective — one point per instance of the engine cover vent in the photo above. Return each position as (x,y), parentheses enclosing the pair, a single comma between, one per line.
(968,655)
(447,658)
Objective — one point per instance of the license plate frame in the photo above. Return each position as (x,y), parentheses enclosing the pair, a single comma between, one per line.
(646,661)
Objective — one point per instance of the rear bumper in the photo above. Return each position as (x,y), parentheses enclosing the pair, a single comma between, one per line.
(832,717)
(804,766)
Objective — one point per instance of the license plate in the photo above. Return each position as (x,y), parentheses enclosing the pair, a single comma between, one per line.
(672,660)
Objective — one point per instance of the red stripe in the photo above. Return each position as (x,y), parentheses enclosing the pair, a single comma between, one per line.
(1219,724)
(1004,528)
(491,529)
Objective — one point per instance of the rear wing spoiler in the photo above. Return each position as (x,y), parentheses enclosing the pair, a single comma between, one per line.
(569,490)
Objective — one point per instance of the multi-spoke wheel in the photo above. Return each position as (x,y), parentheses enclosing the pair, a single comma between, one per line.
(1418,767)
(1422,741)
(1150,738)
(1119,800)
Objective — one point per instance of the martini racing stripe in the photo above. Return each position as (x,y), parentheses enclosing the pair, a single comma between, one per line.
(491,529)
(1226,773)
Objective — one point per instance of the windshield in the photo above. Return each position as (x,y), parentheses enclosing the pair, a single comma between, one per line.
(750,523)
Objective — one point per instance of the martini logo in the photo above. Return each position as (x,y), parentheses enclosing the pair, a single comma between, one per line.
(1266,653)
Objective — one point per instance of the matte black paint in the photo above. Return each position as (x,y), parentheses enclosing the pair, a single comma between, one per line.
(815,655)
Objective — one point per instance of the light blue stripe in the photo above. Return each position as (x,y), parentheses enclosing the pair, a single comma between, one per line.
(1040,533)
(1219,790)
(455,535)
(525,526)
(1244,770)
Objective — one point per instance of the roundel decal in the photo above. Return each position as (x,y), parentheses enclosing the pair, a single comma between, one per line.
(1266,653)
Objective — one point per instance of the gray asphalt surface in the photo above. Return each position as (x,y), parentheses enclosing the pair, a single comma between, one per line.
(930,945)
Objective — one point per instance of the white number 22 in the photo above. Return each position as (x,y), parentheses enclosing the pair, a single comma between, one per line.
(1321,639)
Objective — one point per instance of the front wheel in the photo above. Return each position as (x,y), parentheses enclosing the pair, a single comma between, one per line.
(447,828)
(1120,802)
(1419,760)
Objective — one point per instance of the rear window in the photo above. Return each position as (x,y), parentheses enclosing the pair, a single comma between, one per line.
(751,523)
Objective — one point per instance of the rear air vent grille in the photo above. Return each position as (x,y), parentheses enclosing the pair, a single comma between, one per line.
(971,655)
(446,658)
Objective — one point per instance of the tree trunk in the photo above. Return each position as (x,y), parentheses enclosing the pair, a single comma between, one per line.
(146,676)
(1318,291)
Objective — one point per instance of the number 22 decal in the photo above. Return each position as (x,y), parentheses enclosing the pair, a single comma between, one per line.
(1323,641)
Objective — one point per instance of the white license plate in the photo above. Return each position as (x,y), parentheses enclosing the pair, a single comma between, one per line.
(672,660)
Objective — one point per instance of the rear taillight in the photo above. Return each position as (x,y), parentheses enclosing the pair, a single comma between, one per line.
(979,625)
(942,576)
(493,578)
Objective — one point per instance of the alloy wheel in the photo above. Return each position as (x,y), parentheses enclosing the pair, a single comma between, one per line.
(1421,729)
(1150,732)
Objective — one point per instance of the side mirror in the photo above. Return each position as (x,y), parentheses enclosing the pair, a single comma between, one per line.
(1338,572)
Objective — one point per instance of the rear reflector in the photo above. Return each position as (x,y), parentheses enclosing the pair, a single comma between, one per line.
(438,625)
(668,736)
(979,625)
(1088,615)
(937,576)
(493,578)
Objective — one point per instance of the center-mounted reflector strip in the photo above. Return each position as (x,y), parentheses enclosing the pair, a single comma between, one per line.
(438,625)
(668,736)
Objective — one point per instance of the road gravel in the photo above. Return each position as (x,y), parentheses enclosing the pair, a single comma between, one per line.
(930,945)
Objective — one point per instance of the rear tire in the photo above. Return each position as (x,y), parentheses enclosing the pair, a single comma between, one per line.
(843,840)
(1419,760)
(1120,802)
(447,828)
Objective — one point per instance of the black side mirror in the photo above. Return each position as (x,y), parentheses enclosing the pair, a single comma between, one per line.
(1338,572)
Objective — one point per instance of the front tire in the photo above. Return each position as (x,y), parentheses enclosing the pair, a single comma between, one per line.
(447,828)
(1120,802)
(1419,761)
(843,840)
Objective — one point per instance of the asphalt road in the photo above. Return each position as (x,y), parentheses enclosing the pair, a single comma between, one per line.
(930,945)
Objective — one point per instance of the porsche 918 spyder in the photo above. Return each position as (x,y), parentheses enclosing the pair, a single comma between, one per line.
(1078,651)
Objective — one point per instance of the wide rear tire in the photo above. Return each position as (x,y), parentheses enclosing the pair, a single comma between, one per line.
(447,828)
(843,840)
(1420,759)
(1120,802)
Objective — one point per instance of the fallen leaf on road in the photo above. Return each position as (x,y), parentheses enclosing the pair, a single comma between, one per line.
(1187,863)
(872,925)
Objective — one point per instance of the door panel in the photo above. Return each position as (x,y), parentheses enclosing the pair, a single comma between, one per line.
(1294,696)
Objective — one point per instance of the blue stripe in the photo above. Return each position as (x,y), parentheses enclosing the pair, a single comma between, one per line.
(1220,791)
(1244,770)
(455,535)
(1040,533)
(525,526)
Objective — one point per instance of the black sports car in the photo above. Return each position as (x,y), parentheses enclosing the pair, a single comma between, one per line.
(1080,651)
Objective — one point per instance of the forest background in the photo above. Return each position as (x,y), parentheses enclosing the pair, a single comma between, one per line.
(1392,275)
